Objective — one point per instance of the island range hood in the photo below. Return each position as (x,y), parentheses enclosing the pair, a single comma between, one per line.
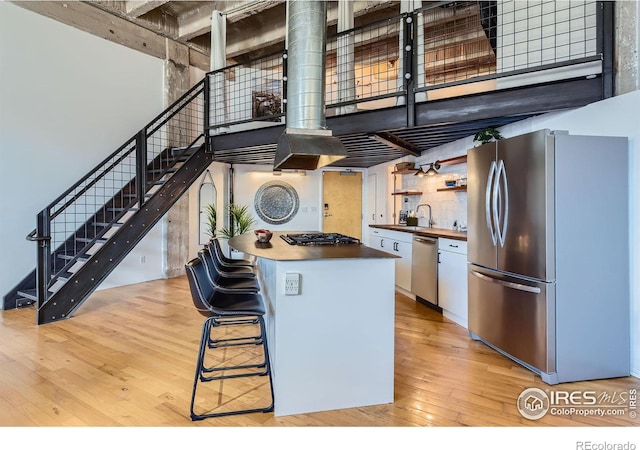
(306,143)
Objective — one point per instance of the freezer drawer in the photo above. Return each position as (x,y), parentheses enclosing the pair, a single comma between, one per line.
(514,315)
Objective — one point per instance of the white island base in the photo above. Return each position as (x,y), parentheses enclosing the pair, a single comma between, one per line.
(331,346)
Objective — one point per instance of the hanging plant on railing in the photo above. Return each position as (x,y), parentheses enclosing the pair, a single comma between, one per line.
(489,134)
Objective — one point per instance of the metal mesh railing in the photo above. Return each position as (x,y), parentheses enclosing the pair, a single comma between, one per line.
(364,64)
(94,207)
(247,92)
(79,216)
(451,44)
(173,132)
(465,41)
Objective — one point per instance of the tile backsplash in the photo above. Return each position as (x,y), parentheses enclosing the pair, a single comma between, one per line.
(447,206)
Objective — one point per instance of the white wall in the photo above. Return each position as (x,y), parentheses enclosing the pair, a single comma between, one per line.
(249,178)
(67,100)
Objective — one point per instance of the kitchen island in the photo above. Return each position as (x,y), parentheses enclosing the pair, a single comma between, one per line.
(331,345)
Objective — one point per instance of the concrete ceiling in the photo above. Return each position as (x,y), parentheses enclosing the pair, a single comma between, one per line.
(254,27)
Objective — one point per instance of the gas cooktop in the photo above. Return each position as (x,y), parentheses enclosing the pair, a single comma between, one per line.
(319,239)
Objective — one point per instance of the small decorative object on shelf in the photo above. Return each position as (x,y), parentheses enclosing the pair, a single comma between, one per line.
(403,166)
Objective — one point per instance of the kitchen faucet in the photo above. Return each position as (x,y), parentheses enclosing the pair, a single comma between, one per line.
(430,218)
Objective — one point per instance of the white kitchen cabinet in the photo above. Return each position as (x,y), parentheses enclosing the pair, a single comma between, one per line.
(397,243)
(452,280)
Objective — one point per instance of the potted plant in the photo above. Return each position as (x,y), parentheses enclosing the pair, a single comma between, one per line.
(240,221)
(212,219)
(489,134)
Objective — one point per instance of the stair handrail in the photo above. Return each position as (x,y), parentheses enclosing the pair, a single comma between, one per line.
(105,175)
(32,236)
(129,141)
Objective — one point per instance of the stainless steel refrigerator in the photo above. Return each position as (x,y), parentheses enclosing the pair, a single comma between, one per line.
(548,252)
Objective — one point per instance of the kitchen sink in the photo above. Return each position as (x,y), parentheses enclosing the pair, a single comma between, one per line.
(412,228)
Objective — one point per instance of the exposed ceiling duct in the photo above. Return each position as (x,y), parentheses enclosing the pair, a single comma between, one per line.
(306,143)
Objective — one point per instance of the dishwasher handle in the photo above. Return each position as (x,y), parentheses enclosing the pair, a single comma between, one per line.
(424,240)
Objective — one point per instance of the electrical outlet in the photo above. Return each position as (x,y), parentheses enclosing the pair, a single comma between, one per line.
(292,284)
(143,259)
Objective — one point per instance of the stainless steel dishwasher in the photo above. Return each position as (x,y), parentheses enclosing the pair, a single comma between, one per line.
(424,268)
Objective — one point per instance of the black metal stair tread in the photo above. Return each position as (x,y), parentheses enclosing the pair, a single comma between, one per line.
(84,258)
(64,277)
(121,209)
(166,170)
(97,241)
(31,294)
(107,224)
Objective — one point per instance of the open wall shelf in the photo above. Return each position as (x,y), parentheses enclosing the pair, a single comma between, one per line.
(452,161)
(406,193)
(452,188)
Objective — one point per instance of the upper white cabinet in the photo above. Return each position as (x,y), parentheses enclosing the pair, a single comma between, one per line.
(452,280)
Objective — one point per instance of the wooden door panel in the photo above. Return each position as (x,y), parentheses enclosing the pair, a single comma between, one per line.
(342,203)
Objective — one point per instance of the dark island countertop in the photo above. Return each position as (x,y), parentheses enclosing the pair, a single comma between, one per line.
(424,231)
(278,250)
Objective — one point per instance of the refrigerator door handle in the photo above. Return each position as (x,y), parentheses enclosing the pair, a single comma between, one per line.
(495,203)
(504,192)
(509,284)
(487,202)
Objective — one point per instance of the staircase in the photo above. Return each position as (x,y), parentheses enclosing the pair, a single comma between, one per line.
(87,231)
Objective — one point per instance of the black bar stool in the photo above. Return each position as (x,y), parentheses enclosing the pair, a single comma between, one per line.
(226,284)
(222,309)
(224,260)
(238,271)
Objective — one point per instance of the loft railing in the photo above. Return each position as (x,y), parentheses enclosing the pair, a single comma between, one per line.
(480,46)
(75,221)
(443,50)
(254,91)
(362,65)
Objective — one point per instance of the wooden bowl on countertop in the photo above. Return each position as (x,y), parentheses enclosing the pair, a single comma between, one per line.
(263,235)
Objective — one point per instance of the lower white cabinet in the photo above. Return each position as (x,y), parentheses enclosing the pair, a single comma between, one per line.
(452,280)
(400,244)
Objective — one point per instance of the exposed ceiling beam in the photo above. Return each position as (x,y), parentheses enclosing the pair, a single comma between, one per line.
(118,16)
(138,8)
(270,29)
(394,141)
(197,21)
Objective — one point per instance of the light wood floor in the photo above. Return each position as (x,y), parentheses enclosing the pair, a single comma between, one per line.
(127,359)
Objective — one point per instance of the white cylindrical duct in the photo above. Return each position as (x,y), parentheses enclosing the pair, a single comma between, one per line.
(307,36)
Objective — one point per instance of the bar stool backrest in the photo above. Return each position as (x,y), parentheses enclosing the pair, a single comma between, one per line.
(215,247)
(212,270)
(201,288)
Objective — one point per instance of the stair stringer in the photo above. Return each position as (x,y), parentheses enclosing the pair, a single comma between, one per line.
(66,300)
